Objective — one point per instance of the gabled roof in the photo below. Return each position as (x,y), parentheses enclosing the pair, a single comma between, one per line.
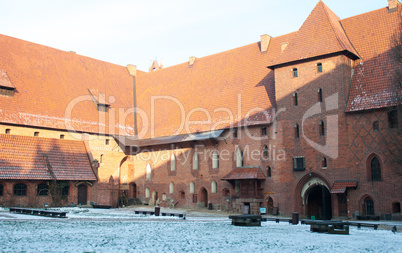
(341,186)
(5,80)
(49,80)
(373,84)
(321,34)
(26,157)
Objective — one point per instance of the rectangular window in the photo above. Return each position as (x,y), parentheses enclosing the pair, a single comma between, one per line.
(295,72)
(393,119)
(299,163)
(264,131)
(234,132)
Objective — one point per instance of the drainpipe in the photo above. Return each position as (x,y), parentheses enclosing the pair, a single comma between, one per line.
(132,70)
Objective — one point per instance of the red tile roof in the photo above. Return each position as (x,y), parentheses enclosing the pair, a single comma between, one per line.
(226,89)
(23,157)
(245,173)
(340,186)
(373,85)
(321,34)
(48,79)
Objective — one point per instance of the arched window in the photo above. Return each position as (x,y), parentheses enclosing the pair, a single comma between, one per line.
(297,131)
(268,171)
(368,206)
(42,189)
(195,161)
(171,187)
(239,158)
(192,187)
(319,95)
(324,163)
(148,172)
(173,163)
(322,128)
(147,193)
(215,160)
(213,187)
(20,189)
(295,99)
(163,196)
(265,151)
(375,169)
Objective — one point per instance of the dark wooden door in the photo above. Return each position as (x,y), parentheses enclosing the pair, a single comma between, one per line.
(343,205)
(82,194)
(270,206)
(204,197)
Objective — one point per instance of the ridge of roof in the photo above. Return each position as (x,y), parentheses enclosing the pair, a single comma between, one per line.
(321,34)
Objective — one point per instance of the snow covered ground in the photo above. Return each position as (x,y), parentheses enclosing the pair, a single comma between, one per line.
(120,230)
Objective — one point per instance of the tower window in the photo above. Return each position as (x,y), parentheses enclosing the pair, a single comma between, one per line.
(269,171)
(265,151)
(264,131)
(295,73)
(324,163)
(393,118)
(297,132)
(299,163)
(376,126)
(375,169)
(295,99)
(322,128)
(319,67)
(319,95)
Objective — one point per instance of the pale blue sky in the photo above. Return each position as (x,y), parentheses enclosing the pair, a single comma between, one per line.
(137,32)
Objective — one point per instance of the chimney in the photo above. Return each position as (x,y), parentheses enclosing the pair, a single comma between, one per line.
(265,39)
(191,61)
(132,70)
(284,46)
(392,5)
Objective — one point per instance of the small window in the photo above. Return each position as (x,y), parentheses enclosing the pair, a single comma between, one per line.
(147,193)
(324,163)
(234,132)
(239,158)
(376,126)
(319,95)
(264,131)
(215,160)
(173,163)
(171,187)
(65,190)
(214,187)
(20,189)
(265,151)
(295,72)
(1,190)
(319,67)
(61,136)
(393,119)
(42,190)
(299,163)
(8,131)
(195,161)
(322,128)
(295,99)
(268,171)
(148,172)
(36,134)
(107,141)
(192,187)
(297,131)
(375,169)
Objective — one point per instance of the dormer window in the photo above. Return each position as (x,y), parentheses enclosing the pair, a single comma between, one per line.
(36,134)
(6,87)
(319,67)
(100,100)
(295,73)
(8,131)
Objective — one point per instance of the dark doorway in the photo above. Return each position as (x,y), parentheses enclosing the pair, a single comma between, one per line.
(318,201)
(204,197)
(134,190)
(368,206)
(270,206)
(82,194)
(342,205)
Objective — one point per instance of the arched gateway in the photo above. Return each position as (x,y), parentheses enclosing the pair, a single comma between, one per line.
(315,198)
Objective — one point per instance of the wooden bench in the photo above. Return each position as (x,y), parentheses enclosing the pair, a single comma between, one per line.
(39,212)
(330,227)
(368,217)
(277,220)
(248,220)
(359,225)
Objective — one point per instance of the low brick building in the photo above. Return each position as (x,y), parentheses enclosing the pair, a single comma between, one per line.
(306,122)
